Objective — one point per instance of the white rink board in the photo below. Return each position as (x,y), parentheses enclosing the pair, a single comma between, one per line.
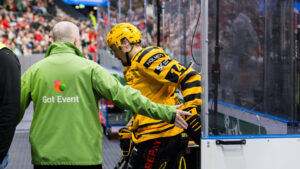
(260,153)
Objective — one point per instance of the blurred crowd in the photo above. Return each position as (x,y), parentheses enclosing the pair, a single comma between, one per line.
(26,28)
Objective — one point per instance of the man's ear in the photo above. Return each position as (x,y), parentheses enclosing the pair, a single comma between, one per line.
(76,42)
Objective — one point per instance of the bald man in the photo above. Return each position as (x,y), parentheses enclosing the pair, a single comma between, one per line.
(65,88)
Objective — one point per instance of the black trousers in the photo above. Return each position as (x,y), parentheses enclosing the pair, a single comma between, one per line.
(160,153)
(67,167)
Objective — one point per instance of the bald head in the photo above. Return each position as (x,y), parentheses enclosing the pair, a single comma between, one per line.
(65,31)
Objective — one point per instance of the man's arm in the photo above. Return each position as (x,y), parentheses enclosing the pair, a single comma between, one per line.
(9,98)
(126,97)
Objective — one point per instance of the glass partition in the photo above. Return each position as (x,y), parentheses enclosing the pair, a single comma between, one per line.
(179,36)
(177,26)
(132,11)
(256,89)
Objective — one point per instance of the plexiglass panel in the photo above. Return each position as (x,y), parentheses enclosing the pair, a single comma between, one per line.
(177,26)
(178,22)
(258,69)
(118,11)
(256,89)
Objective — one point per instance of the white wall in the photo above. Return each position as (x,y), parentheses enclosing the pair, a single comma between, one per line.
(273,153)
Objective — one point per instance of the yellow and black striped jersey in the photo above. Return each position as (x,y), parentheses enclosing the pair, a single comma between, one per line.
(157,76)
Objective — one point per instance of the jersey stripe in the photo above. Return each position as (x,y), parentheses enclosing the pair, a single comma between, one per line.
(137,54)
(156,132)
(145,52)
(148,124)
(152,128)
(191,84)
(190,74)
(193,90)
(192,97)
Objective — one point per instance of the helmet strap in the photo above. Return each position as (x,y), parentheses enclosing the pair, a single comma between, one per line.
(127,56)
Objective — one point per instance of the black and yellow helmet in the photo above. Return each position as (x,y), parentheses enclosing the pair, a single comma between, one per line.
(121,31)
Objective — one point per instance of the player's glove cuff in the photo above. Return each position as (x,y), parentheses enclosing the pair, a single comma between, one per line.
(194,128)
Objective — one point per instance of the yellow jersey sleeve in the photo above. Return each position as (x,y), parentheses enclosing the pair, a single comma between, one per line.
(154,63)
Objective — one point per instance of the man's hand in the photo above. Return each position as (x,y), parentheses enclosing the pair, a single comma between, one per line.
(4,163)
(179,121)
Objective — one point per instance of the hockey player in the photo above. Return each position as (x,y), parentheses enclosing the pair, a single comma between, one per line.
(156,144)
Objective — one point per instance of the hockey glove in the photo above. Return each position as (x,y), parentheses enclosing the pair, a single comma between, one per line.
(194,128)
(125,141)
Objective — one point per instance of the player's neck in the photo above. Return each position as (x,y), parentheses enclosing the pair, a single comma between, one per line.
(134,50)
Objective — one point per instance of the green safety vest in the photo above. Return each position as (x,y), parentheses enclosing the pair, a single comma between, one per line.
(65,88)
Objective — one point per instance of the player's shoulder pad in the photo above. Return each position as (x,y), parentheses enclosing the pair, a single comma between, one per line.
(148,56)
